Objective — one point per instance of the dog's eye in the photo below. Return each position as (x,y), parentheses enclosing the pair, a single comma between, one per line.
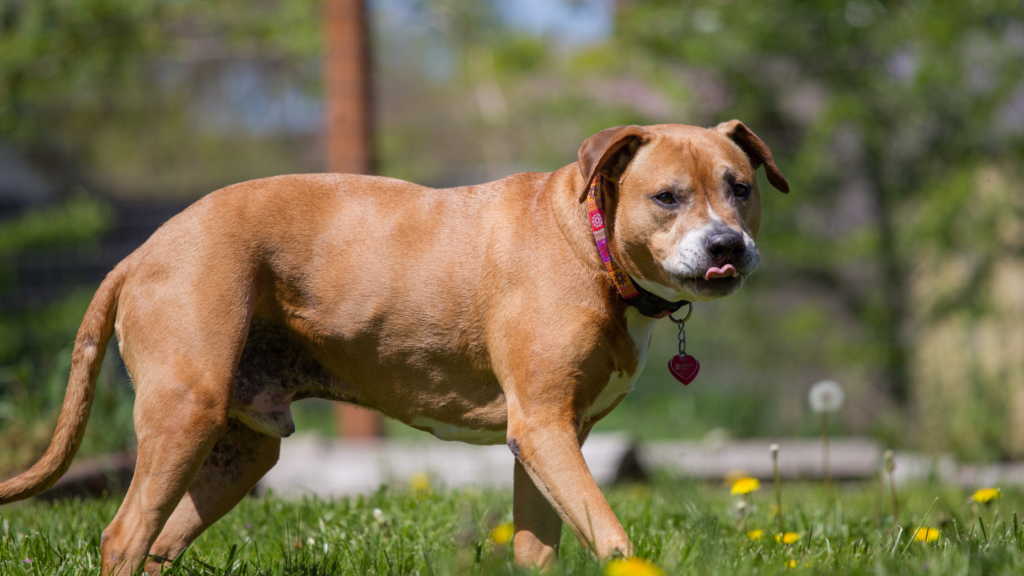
(666,198)
(740,190)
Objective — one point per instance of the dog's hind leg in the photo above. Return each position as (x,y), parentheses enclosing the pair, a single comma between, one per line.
(538,527)
(177,421)
(238,460)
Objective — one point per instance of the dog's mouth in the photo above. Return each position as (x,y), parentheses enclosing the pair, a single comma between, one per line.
(715,287)
(716,282)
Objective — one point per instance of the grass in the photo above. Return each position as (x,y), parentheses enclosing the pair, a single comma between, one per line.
(684,527)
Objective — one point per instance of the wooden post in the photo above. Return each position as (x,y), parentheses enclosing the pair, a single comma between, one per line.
(348,136)
(347,87)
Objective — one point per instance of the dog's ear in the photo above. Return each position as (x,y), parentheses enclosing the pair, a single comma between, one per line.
(608,153)
(755,149)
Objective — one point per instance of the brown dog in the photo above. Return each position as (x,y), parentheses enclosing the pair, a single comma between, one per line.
(482,314)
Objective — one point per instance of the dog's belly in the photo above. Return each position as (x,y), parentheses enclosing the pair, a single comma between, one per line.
(273,371)
(446,431)
(276,369)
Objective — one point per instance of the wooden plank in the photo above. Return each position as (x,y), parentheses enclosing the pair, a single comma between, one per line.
(851,458)
(311,465)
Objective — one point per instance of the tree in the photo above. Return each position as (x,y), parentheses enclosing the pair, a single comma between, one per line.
(870,105)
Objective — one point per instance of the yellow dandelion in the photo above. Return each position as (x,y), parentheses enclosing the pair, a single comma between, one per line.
(986,495)
(419,483)
(503,533)
(632,567)
(791,563)
(926,535)
(745,486)
(755,534)
(787,538)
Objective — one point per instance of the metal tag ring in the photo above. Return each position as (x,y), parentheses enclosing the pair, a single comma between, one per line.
(689,312)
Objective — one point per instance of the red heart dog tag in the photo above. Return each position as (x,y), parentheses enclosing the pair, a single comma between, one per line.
(684,368)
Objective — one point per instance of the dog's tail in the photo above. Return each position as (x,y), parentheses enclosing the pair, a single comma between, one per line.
(90,345)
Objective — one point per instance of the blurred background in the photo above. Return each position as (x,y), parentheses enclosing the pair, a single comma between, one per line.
(895,267)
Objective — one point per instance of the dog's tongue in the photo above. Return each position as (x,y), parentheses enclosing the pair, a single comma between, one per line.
(723,272)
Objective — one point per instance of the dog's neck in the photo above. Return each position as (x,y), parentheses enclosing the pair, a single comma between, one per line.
(571,216)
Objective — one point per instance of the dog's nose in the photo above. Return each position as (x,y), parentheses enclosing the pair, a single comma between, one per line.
(725,245)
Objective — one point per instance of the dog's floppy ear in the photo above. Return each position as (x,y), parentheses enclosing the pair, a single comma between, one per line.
(608,153)
(755,149)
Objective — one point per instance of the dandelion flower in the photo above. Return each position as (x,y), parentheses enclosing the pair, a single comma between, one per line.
(419,483)
(787,538)
(755,534)
(791,563)
(632,567)
(826,396)
(926,535)
(745,486)
(503,533)
(986,495)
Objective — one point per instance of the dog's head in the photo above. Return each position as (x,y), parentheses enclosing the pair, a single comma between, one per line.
(682,204)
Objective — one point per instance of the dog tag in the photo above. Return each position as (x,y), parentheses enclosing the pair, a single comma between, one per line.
(684,367)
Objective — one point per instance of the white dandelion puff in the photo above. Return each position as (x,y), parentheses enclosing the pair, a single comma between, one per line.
(826,396)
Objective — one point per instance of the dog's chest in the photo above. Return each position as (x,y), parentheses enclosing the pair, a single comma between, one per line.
(640,329)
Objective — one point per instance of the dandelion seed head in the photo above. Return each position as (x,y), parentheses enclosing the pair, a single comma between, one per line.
(826,396)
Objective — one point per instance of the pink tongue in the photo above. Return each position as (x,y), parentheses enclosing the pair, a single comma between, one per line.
(723,272)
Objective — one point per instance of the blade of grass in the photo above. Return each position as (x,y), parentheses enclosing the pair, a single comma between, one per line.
(896,544)
(921,525)
(229,565)
(1016,530)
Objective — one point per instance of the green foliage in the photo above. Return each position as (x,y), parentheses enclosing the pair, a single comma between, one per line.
(108,90)
(56,54)
(684,528)
(78,221)
(84,57)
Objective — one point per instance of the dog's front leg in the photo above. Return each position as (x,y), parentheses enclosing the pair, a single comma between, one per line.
(547,450)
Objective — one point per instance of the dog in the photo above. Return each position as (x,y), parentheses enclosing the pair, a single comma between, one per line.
(483,314)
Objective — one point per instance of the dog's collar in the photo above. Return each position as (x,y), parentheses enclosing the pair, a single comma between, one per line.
(647,303)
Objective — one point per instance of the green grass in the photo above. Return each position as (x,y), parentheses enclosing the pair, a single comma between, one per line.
(684,527)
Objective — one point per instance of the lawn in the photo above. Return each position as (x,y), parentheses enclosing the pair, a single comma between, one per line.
(683,527)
